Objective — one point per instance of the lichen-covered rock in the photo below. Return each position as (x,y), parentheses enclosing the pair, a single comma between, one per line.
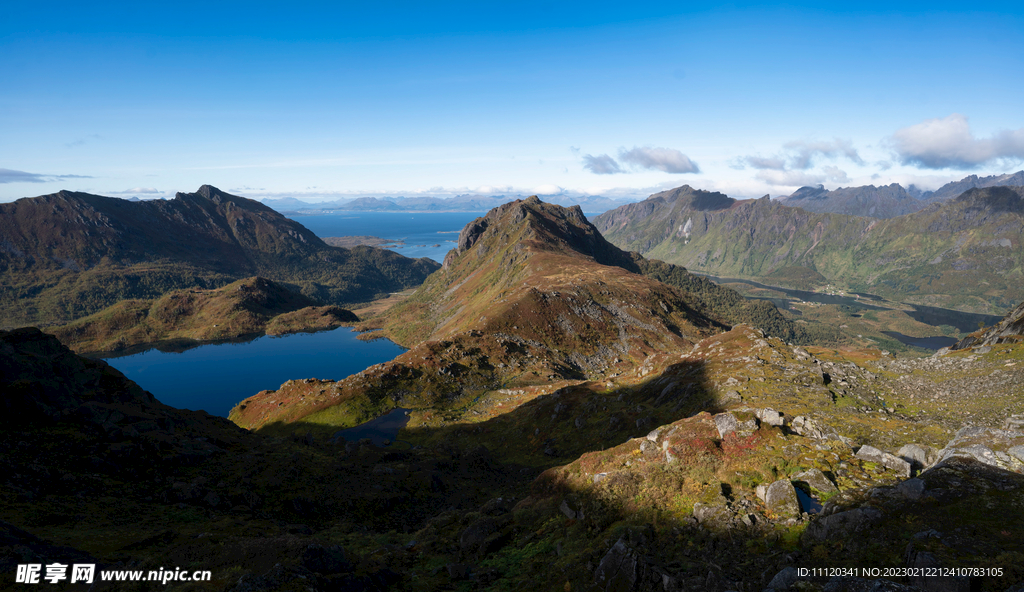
(770,416)
(726,424)
(817,480)
(572,509)
(809,428)
(780,498)
(889,461)
(713,516)
(784,580)
(912,489)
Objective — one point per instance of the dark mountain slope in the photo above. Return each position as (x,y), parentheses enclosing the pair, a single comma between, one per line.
(965,253)
(96,470)
(69,254)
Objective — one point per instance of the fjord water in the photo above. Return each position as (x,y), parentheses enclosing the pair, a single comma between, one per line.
(215,377)
(420,231)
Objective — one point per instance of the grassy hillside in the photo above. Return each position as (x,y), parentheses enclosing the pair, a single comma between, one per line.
(965,254)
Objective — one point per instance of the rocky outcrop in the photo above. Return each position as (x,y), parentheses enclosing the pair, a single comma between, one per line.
(997,448)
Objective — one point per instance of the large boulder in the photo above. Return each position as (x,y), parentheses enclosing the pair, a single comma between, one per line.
(623,569)
(726,424)
(780,498)
(771,417)
(729,423)
(919,456)
(841,524)
(817,480)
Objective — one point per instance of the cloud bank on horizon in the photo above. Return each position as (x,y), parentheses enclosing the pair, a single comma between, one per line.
(451,99)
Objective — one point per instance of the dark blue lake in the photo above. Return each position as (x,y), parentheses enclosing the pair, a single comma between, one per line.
(419,231)
(215,377)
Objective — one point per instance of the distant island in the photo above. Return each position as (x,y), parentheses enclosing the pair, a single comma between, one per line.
(591,204)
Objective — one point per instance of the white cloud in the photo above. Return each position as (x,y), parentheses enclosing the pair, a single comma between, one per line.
(949,143)
(803,154)
(601,164)
(668,160)
(776,163)
(492,189)
(829,174)
(12,176)
(547,190)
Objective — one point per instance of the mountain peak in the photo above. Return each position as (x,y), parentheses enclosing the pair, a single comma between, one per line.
(997,199)
(542,227)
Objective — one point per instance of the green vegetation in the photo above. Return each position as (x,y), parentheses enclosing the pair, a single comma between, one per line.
(964,254)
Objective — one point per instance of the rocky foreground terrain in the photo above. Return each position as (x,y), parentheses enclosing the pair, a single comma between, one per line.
(581,426)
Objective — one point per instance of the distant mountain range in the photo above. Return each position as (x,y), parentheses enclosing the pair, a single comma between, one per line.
(889,201)
(67,255)
(965,253)
(459,203)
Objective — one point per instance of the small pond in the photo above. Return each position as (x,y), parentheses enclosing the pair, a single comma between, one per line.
(381,431)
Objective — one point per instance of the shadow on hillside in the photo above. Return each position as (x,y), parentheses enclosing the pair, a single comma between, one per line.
(568,513)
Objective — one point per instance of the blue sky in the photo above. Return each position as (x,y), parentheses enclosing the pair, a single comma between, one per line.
(622,99)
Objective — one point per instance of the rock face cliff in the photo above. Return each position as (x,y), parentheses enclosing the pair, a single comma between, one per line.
(964,253)
(69,254)
(1008,330)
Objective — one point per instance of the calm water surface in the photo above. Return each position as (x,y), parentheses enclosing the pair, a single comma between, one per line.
(381,431)
(419,231)
(216,377)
